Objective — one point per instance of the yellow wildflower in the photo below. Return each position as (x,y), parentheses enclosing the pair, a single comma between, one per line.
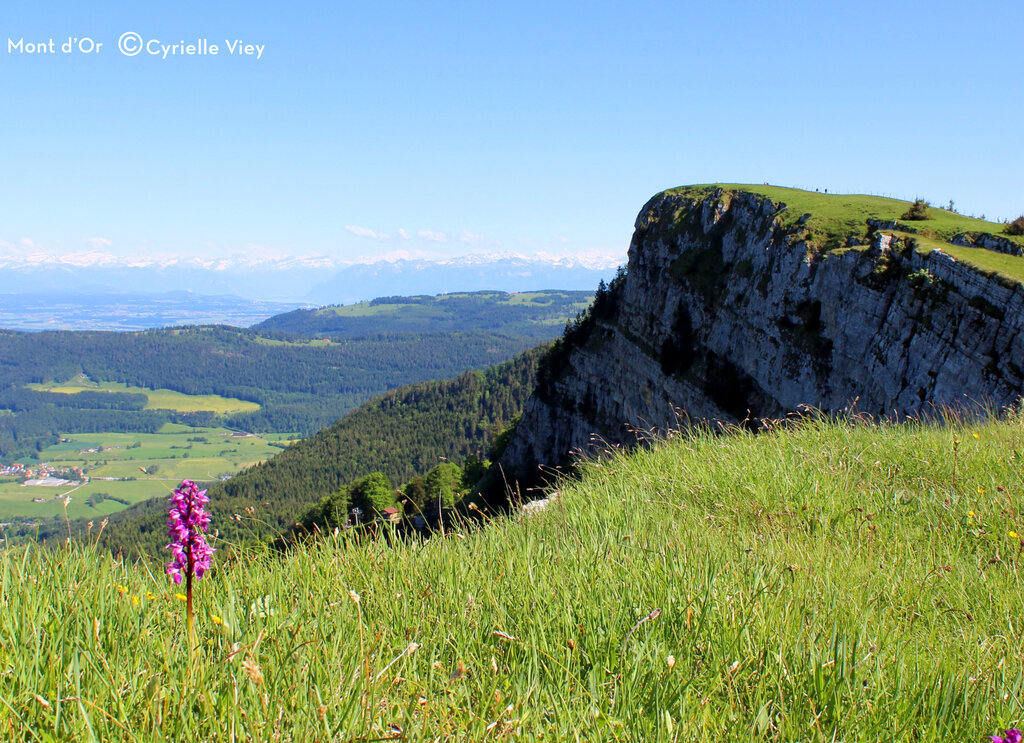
(135,600)
(1013,534)
(216,619)
(181,597)
(981,491)
(121,589)
(150,595)
(977,436)
(970,515)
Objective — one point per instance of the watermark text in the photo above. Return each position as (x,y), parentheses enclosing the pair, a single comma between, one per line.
(132,44)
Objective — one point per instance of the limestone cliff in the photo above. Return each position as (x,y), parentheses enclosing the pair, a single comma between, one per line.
(736,306)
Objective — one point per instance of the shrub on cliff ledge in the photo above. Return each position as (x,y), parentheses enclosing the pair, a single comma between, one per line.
(917,211)
(1016,227)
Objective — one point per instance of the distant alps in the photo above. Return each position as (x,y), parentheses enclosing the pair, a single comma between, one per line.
(299,279)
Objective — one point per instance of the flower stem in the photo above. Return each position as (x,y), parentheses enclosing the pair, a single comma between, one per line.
(188,600)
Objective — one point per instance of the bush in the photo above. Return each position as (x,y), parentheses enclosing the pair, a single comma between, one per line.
(917,211)
(1016,227)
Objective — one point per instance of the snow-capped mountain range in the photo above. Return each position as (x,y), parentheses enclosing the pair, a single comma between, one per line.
(314,279)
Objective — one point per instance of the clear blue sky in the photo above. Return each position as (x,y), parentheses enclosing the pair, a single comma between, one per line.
(521,126)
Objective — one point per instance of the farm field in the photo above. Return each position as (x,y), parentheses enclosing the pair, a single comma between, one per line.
(115,464)
(157,399)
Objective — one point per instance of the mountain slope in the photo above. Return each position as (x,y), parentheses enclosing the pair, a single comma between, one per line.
(540,315)
(749,302)
(402,433)
(825,582)
(300,385)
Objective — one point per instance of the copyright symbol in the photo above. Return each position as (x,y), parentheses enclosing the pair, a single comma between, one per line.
(130,44)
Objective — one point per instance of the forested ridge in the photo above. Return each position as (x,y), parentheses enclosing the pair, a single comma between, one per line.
(305,368)
(403,433)
(539,315)
(301,386)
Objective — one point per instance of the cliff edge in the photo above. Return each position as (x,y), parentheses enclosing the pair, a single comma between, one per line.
(747,302)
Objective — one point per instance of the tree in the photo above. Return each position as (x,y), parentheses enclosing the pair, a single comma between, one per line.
(335,508)
(415,492)
(473,471)
(372,493)
(917,211)
(1016,227)
(444,484)
(329,512)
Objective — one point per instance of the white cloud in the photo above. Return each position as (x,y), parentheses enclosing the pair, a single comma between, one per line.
(403,234)
(364,232)
(432,236)
(98,242)
(472,238)
(27,242)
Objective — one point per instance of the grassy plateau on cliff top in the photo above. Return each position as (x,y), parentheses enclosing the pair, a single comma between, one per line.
(834,217)
(825,581)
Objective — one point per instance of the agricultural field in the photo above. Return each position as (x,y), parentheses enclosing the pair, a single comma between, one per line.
(157,399)
(126,468)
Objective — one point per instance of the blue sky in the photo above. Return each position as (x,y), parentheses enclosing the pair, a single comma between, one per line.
(366,129)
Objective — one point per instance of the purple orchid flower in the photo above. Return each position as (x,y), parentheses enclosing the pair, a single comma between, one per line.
(186,524)
(1012,735)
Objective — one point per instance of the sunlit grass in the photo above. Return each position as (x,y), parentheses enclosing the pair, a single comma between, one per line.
(158,399)
(832,582)
(834,217)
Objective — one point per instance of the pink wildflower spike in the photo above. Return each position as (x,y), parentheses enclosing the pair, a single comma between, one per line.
(1012,735)
(186,523)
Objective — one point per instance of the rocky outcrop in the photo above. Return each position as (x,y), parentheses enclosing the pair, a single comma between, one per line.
(988,241)
(727,311)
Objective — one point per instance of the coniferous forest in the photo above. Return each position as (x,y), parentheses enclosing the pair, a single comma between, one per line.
(403,434)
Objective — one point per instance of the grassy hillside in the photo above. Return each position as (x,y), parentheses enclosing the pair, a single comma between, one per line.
(539,315)
(835,216)
(839,220)
(831,582)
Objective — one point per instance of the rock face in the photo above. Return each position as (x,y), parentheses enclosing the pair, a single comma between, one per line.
(728,312)
(988,242)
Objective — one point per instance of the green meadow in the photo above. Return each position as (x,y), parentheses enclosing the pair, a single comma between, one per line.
(115,468)
(160,399)
(821,582)
(833,218)
(836,215)
(427,309)
(986,261)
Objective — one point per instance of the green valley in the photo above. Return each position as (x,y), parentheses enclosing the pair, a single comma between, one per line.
(63,392)
(121,469)
(402,434)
